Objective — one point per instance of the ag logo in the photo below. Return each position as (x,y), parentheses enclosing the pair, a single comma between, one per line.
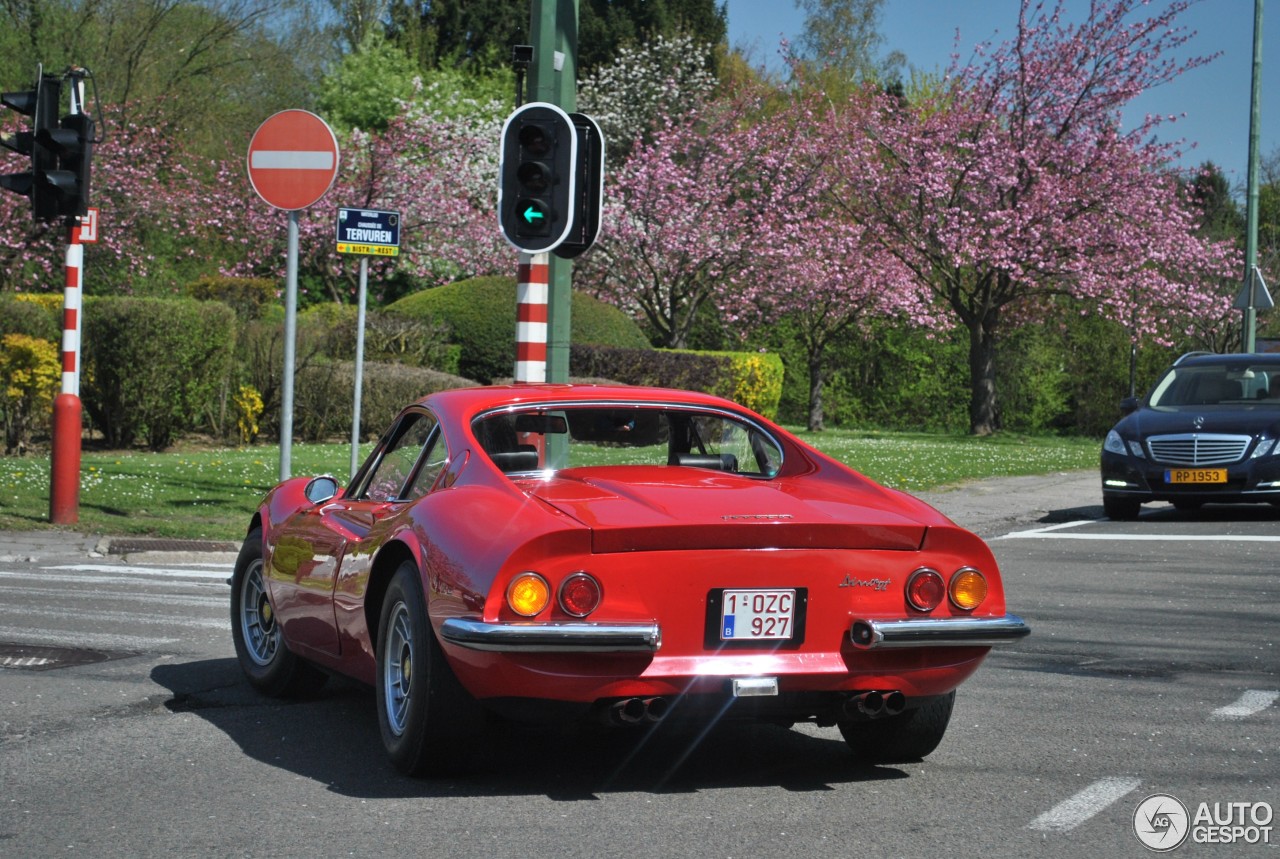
(1161,822)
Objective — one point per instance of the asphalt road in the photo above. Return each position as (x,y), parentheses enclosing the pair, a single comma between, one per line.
(1152,669)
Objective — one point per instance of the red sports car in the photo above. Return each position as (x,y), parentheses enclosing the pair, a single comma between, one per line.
(627,554)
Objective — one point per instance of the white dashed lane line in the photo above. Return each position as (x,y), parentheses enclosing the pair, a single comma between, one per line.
(1251,702)
(1054,532)
(1072,812)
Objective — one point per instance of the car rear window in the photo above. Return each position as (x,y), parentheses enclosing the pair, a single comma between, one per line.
(570,436)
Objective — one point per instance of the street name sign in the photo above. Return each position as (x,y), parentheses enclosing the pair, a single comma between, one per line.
(368,232)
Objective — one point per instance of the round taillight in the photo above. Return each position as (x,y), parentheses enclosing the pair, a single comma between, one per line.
(580,595)
(968,589)
(925,589)
(528,594)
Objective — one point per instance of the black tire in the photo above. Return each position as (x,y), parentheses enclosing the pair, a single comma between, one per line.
(427,720)
(1121,509)
(267,662)
(908,736)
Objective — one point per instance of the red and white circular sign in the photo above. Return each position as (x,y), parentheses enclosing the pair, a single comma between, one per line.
(293,159)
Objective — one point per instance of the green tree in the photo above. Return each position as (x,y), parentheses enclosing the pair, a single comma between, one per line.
(367,88)
(842,38)
(606,26)
(1220,215)
(210,69)
(473,34)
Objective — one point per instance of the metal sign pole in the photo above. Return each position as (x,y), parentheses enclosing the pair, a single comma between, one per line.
(290,339)
(1249,323)
(359,369)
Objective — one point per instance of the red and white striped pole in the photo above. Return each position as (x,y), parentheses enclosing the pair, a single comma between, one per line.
(64,489)
(531,319)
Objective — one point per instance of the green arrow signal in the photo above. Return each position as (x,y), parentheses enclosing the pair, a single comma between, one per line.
(531,215)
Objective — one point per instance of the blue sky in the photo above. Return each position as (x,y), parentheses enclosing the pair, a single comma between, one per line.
(1214,98)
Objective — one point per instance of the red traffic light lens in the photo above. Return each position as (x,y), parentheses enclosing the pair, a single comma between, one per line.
(535,139)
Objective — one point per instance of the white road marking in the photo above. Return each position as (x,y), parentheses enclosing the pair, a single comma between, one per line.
(1072,812)
(122,619)
(92,640)
(1051,533)
(1251,702)
(210,571)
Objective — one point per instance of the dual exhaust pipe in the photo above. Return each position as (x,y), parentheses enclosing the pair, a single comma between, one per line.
(874,705)
(860,705)
(634,711)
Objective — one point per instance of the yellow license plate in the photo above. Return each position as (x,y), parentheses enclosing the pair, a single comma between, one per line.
(1195,475)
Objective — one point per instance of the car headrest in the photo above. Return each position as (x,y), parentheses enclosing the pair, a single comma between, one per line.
(717,461)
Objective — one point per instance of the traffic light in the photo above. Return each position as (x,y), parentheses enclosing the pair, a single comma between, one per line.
(72,143)
(537,176)
(41,104)
(589,185)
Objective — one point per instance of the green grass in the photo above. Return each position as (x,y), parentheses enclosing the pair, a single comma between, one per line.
(210,494)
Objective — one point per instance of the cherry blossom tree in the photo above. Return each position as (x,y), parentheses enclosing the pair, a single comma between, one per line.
(1013,182)
(687,213)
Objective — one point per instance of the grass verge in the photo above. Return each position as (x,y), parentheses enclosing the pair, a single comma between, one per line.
(210,494)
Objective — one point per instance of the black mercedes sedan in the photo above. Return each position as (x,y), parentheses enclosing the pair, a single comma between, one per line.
(1207,431)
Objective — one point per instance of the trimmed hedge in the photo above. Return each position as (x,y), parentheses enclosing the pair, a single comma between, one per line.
(152,366)
(753,379)
(325,392)
(481,315)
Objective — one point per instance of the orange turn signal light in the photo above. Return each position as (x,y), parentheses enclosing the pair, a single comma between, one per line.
(528,594)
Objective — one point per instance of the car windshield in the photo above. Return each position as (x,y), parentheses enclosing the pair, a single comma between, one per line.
(572,436)
(1213,385)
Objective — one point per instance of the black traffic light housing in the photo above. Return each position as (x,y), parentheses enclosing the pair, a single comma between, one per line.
(41,104)
(72,143)
(537,177)
(589,186)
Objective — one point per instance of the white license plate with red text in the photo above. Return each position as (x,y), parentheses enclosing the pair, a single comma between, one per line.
(755,615)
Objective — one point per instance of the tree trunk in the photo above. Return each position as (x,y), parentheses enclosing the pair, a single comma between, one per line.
(815,392)
(982,374)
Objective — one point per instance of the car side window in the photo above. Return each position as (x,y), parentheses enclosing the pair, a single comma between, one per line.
(398,458)
(433,461)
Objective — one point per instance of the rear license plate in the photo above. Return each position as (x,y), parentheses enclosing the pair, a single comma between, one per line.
(1195,475)
(757,615)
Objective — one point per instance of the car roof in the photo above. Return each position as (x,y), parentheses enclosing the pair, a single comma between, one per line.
(466,403)
(1230,359)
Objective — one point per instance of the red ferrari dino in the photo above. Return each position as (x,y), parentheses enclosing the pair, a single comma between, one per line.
(627,554)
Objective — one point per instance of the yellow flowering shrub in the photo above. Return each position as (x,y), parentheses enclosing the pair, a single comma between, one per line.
(248,405)
(30,375)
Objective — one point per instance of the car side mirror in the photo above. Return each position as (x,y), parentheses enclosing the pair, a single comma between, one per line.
(320,489)
(1128,405)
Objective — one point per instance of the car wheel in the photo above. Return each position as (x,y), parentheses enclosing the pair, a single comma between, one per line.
(427,719)
(907,736)
(1121,509)
(268,664)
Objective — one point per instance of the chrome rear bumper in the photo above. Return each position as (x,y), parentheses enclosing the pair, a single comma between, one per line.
(940,632)
(530,637)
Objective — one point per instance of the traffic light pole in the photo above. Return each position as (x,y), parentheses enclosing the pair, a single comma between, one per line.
(553,75)
(64,458)
(64,484)
(531,319)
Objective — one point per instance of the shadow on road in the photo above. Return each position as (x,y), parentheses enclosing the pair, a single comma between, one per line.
(333,739)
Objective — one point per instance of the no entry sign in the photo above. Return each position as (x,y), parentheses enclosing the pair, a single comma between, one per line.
(293,159)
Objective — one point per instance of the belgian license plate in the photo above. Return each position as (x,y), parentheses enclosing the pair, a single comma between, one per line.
(1195,475)
(755,615)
